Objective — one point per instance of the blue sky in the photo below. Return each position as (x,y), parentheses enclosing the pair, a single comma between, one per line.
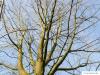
(95,32)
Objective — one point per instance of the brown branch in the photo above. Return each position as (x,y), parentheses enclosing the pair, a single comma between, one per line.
(60,60)
(8,66)
(48,31)
(32,62)
(72,68)
(2,8)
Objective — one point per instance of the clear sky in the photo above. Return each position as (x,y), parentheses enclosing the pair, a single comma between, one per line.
(94,31)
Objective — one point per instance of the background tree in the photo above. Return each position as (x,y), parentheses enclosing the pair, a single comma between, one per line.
(47,37)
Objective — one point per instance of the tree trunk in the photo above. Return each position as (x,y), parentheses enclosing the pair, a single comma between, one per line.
(39,67)
(39,63)
(20,64)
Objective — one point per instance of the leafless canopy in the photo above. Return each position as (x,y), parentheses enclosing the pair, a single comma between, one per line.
(46,37)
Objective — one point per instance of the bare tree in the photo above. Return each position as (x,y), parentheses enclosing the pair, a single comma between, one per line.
(45,37)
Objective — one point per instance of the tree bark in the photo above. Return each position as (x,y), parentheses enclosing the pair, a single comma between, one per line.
(39,67)
(39,62)
(20,64)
